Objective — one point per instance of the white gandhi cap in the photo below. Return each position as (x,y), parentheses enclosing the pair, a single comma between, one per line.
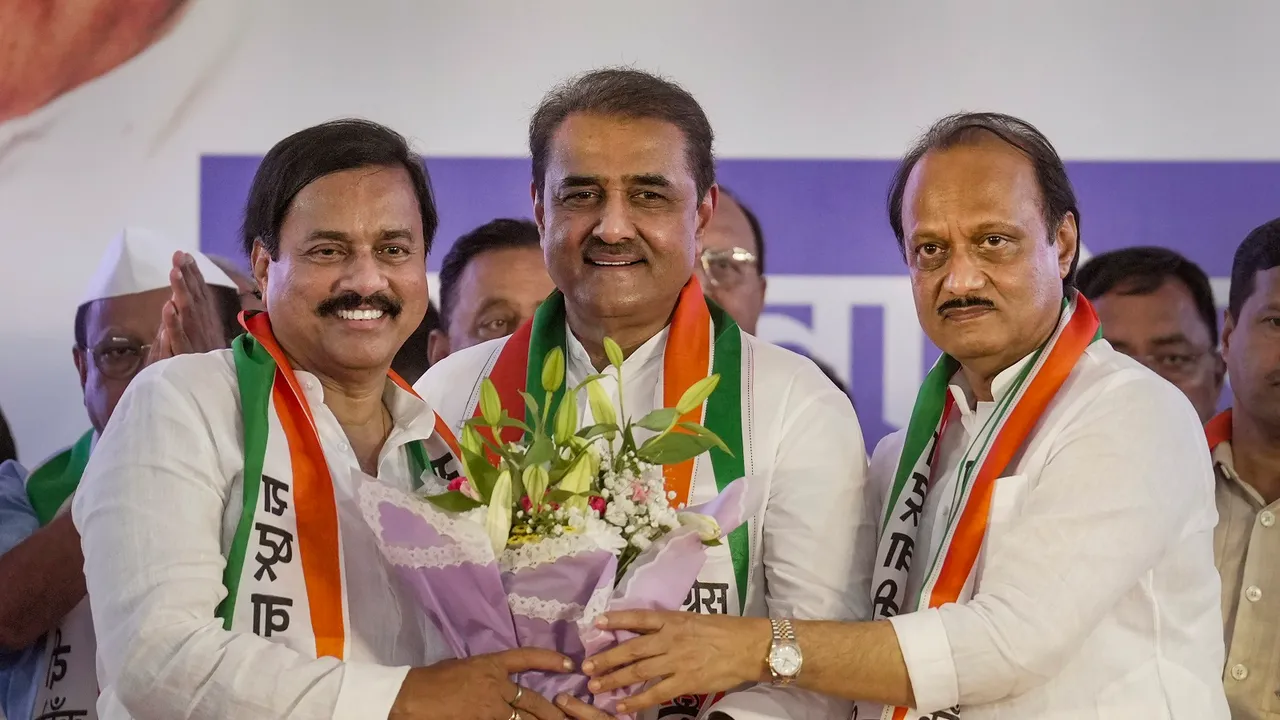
(138,260)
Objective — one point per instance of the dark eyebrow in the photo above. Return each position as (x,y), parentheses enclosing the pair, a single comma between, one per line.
(1175,339)
(998,227)
(654,179)
(335,235)
(397,234)
(573,181)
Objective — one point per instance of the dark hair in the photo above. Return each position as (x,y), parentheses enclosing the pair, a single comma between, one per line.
(1141,271)
(1056,194)
(495,235)
(308,155)
(1260,251)
(755,227)
(412,360)
(225,299)
(626,93)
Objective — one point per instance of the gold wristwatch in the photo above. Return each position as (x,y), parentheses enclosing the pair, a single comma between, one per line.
(785,657)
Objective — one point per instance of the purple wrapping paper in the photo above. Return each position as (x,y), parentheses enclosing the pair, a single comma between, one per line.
(482,605)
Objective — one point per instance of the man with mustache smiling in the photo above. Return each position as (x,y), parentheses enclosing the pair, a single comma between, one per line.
(623,189)
(231,572)
(1046,534)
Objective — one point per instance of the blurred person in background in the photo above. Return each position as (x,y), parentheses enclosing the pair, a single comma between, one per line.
(414,356)
(1245,442)
(145,303)
(491,282)
(1157,307)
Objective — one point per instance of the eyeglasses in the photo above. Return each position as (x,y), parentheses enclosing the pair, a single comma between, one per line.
(727,268)
(119,358)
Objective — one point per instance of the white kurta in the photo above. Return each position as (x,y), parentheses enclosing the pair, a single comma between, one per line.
(157,511)
(812,541)
(1096,595)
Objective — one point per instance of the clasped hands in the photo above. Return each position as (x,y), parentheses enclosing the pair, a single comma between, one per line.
(680,653)
(190,321)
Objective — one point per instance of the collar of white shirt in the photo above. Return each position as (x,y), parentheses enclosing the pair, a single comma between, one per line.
(651,351)
(962,391)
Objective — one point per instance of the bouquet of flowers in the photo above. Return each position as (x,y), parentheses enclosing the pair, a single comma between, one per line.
(541,537)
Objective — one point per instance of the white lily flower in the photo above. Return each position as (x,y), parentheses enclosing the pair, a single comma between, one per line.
(707,527)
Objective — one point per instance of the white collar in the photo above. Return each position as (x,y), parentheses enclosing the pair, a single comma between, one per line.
(1001,384)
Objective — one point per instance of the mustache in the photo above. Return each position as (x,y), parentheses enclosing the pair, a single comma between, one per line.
(597,247)
(961,303)
(354,301)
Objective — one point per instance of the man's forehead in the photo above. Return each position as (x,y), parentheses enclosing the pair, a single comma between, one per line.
(612,148)
(729,227)
(135,316)
(985,174)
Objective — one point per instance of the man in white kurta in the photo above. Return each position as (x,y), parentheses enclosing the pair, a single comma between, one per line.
(231,571)
(621,212)
(1045,547)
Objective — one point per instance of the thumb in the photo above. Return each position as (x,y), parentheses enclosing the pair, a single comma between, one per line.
(531,658)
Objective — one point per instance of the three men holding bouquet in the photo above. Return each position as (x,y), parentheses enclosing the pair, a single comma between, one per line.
(1037,543)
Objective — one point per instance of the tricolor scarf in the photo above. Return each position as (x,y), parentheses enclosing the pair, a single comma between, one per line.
(702,340)
(284,574)
(69,684)
(949,578)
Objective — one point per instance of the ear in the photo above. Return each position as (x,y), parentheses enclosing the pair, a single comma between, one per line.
(1068,244)
(437,346)
(706,210)
(259,259)
(1228,329)
(537,208)
(82,364)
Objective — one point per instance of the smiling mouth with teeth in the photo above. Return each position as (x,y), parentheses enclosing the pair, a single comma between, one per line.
(614,263)
(360,314)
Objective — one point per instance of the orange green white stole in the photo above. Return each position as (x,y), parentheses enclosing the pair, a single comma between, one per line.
(949,573)
(284,574)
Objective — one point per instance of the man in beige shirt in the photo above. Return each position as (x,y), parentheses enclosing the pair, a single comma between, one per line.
(1246,451)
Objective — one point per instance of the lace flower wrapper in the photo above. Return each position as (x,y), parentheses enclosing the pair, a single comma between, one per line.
(545,594)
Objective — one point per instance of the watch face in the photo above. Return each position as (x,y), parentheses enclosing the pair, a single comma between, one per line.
(785,660)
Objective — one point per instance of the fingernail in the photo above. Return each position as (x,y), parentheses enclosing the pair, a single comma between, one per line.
(622,708)
(602,622)
(594,685)
(562,701)
(568,664)
(588,666)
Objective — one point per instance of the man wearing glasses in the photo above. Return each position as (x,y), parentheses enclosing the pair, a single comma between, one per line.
(145,303)
(1157,307)
(732,262)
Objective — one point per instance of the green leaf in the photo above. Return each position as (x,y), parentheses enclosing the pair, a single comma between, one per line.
(553,370)
(700,430)
(559,496)
(481,474)
(673,448)
(660,420)
(591,431)
(541,451)
(532,404)
(696,393)
(508,421)
(453,501)
(614,352)
(490,403)
(566,423)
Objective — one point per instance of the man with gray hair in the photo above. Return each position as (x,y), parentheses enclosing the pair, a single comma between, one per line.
(623,190)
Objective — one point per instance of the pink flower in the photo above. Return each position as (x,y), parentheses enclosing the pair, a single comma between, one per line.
(639,494)
(597,503)
(460,484)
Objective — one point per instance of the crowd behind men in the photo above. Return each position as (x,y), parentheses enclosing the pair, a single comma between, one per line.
(1059,532)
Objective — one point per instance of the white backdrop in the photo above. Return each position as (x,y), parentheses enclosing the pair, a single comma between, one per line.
(1139,79)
